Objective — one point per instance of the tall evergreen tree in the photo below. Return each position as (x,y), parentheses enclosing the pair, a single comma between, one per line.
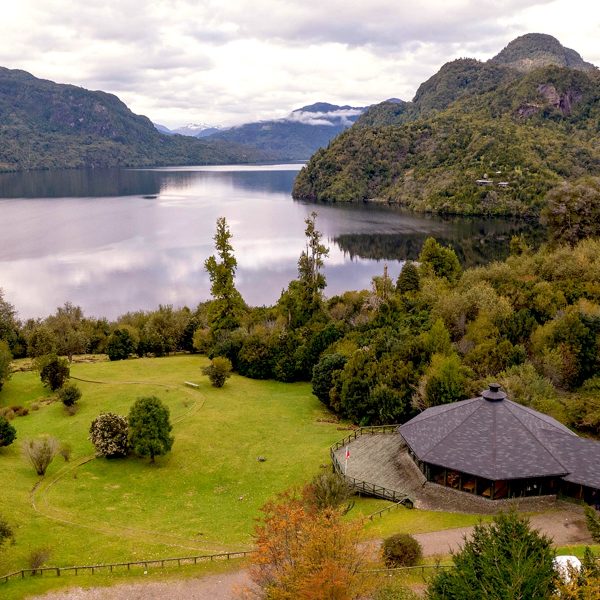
(228,304)
(150,428)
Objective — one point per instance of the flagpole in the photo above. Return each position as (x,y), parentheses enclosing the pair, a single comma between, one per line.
(346,460)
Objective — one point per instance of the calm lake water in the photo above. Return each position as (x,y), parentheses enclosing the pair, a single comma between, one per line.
(118,240)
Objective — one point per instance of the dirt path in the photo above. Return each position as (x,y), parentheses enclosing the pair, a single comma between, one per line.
(225,586)
(564,527)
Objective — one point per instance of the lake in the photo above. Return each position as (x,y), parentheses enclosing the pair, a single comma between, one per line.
(117,240)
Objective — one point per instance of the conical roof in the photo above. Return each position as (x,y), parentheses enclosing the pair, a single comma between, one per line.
(488,436)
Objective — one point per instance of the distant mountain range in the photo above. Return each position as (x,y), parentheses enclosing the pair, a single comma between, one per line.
(295,137)
(478,138)
(47,125)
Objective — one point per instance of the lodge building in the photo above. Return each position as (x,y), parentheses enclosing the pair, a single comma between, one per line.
(496,448)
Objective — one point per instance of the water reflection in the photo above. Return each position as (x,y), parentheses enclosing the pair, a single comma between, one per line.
(121,240)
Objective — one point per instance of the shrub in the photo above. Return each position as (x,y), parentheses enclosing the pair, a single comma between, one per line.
(218,371)
(121,344)
(7,432)
(41,452)
(592,520)
(20,411)
(323,373)
(6,531)
(54,371)
(38,557)
(401,550)
(149,427)
(65,451)
(110,434)
(329,490)
(69,394)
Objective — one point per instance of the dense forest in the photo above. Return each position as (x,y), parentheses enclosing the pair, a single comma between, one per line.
(479,137)
(438,334)
(44,125)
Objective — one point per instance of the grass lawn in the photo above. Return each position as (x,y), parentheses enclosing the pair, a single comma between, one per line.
(202,497)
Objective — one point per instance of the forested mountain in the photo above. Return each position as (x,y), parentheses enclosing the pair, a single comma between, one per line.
(297,136)
(48,125)
(478,138)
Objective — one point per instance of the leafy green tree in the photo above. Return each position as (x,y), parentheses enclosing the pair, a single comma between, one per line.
(41,341)
(9,325)
(121,344)
(109,433)
(219,371)
(401,550)
(5,360)
(572,211)
(329,490)
(68,327)
(54,371)
(439,259)
(310,264)
(150,428)
(408,280)
(8,433)
(322,378)
(228,305)
(503,560)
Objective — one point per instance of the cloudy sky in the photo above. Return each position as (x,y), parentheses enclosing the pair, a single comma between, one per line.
(232,61)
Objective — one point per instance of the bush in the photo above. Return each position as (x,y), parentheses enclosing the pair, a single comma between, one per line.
(54,371)
(41,452)
(218,371)
(401,550)
(6,531)
(121,344)
(329,490)
(323,373)
(69,394)
(110,434)
(7,432)
(38,557)
(65,451)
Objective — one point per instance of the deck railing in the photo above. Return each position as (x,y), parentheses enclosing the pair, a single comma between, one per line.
(365,487)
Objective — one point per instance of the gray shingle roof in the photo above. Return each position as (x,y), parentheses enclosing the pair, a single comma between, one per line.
(497,440)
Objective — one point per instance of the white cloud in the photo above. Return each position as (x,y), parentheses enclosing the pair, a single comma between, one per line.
(180,61)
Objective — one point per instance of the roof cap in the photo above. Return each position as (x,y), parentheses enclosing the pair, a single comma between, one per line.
(494,393)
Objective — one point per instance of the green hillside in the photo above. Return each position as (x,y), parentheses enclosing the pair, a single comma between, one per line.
(47,125)
(479,138)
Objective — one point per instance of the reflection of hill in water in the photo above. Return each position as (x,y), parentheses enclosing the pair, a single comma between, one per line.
(474,245)
(97,183)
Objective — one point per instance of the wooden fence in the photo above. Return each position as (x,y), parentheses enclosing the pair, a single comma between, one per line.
(58,571)
(365,487)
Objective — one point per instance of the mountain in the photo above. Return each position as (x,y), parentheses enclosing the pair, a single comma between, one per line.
(197,129)
(163,129)
(48,125)
(534,50)
(478,137)
(297,136)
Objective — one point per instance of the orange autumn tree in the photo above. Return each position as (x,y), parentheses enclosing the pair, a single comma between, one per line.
(307,554)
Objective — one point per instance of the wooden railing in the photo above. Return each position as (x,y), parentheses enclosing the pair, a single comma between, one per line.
(58,571)
(372,429)
(365,487)
(384,510)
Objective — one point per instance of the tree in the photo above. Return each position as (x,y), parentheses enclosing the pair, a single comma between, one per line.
(9,325)
(306,554)
(401,550)
(592,520)
(54,371)
(504,559)
(322,378)
(572,211)
(329,490)
(67,325)
(69,394)
(408,280)
(7,432)
(110,435)
(150,428)
(41,452)
(121,343)
(439,259)
(218,371)
(5,360)
(228,304)
(444,381)
(41,341)
(6,532)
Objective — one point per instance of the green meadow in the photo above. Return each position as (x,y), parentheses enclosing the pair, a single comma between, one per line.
(203,497)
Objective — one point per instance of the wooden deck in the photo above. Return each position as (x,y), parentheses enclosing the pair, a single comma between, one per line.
(376,458)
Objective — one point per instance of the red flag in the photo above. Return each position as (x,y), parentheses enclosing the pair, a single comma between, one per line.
(347,453)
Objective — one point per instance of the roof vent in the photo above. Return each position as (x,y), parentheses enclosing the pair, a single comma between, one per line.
(494,393)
